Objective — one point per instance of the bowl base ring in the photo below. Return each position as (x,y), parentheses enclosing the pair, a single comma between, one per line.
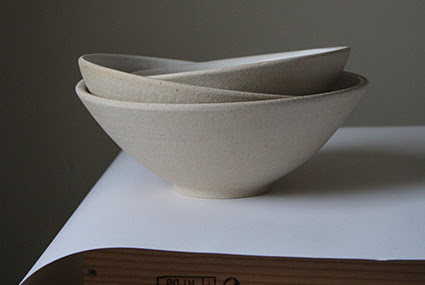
(223,194)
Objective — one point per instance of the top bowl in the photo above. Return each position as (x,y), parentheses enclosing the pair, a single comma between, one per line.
(291,73)
(241,79)
(226,150)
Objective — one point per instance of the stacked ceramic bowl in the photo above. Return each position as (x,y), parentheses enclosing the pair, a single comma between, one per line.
(225,128)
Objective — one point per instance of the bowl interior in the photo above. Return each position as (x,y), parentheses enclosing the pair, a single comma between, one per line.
(238,62)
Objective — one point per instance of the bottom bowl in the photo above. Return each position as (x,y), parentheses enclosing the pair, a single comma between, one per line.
(226,150)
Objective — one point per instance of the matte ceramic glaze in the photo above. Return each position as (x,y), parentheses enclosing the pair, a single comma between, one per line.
(225,150)
(241,79)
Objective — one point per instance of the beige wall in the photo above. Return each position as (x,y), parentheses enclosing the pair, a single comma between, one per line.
(53,152)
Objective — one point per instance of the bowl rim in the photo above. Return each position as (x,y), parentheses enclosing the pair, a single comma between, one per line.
(84,94)
(315,53)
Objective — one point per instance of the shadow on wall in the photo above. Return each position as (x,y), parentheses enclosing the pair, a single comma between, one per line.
(349,171)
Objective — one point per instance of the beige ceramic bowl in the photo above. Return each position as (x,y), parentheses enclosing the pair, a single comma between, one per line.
(292,73)
(225,150)
(241,79)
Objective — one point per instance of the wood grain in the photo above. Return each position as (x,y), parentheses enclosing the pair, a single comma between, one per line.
(136,266)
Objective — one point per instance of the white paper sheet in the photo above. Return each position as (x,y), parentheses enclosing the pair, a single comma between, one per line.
(362,196)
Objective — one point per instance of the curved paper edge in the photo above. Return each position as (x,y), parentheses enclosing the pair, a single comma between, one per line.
(66,270)
(64,255)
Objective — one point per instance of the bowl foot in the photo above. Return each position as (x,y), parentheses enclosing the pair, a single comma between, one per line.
(223,194)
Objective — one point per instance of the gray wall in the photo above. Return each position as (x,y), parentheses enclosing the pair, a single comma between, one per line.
(53,151)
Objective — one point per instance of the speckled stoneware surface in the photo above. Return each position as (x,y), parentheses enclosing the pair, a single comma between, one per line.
(225,150)
(240,79)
